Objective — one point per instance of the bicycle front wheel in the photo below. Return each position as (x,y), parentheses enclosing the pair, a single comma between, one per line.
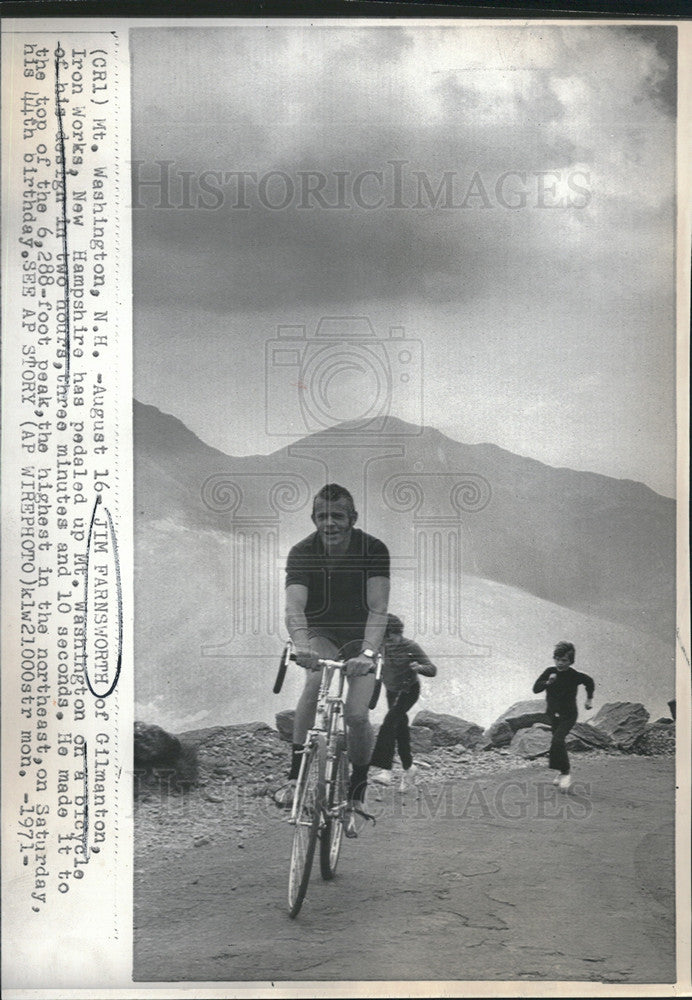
(333,830)
(309,804)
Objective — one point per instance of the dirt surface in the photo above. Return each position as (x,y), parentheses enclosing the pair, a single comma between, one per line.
(492,875)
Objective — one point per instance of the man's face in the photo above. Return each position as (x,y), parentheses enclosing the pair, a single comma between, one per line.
(562,662)
(394,638)
(333,522)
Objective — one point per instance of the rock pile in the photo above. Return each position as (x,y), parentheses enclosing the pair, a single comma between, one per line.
(248,754)
(658,738)
(255,756)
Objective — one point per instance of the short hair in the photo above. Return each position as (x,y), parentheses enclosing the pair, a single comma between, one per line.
(394,625)
(565,649)
(331,493)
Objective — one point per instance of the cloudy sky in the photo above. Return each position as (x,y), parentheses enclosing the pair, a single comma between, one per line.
(503,196)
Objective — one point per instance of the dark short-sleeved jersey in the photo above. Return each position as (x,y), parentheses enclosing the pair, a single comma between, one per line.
(337,585)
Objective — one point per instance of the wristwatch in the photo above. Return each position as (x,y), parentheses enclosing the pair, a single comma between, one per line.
(368,652)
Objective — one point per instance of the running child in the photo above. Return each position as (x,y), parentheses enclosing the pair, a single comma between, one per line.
(404,660)
(560,684)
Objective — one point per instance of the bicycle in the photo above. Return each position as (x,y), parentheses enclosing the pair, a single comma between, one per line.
(321,794)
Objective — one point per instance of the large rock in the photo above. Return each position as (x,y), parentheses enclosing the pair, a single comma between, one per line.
(500,734)
(155,748)
(521,715)
(163,760)
(421,739)
(284,724)
(448,730)
(532,742)
(583,736)
(623,721)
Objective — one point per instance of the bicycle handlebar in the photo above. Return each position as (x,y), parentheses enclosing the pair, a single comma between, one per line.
(281,673)
(289,654)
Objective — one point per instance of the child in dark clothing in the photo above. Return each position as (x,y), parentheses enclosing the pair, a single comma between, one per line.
(560,684)
(403,661)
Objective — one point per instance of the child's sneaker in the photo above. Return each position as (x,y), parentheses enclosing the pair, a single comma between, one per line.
(382,777)
(408,778)
(556,779)
(565,782)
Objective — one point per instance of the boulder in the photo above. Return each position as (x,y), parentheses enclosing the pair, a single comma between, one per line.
(532,742)
(448,730)
(658,738)
(521,715)
(284,724)
(155,748)
(162,759)
(500,734)
(583,736)
(421,739)
(623,721)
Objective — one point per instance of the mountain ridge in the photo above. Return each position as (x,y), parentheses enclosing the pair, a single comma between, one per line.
(396,422)
(535,554)
(587,541)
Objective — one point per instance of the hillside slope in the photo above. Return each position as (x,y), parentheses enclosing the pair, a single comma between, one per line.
(599,545)
(547,554)
(192,670)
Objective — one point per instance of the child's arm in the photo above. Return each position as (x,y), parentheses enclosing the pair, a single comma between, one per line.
(421,662)
(590,688)
(544,680)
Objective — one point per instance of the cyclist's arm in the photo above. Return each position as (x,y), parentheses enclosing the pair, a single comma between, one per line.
(296,622)
(378,601)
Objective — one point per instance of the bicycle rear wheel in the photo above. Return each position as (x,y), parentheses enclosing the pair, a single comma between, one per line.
(310,800)
(333,830)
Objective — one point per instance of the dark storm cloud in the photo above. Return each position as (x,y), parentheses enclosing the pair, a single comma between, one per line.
(469,106)
(663,83)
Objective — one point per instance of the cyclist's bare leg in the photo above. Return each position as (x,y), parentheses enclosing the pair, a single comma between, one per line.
(357,718)
(307,704)
(360,745)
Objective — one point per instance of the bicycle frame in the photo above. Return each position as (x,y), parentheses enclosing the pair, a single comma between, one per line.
(320,798)
(328,722)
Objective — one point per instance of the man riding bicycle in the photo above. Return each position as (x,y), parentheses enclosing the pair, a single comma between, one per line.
(337,592)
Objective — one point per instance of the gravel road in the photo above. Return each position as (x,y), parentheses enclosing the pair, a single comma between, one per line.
(483,873)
